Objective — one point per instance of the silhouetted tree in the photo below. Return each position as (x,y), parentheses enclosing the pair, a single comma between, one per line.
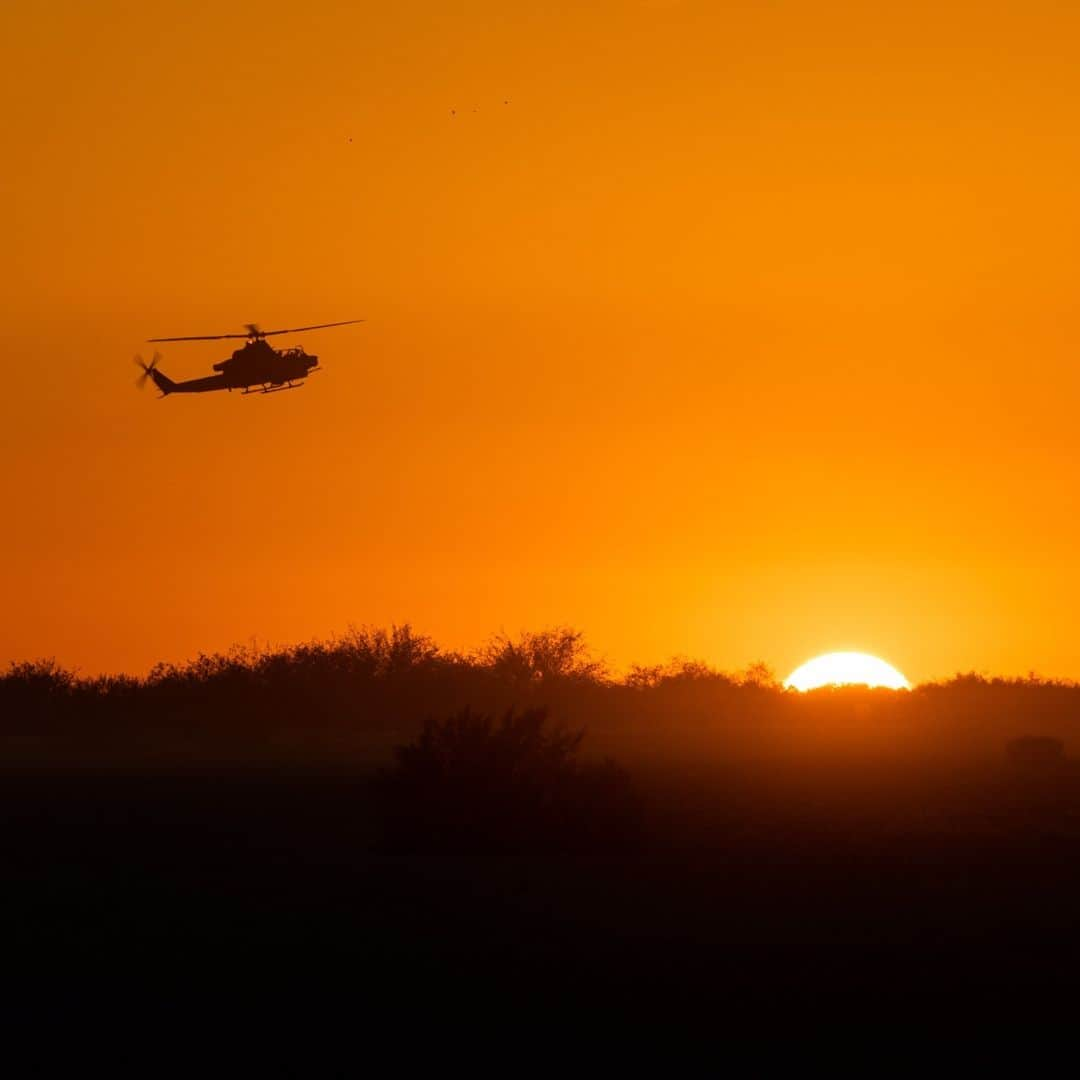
(546,656)
(472,786)
(36,697)
(758,675)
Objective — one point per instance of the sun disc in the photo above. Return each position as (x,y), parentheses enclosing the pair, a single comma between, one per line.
(846,669)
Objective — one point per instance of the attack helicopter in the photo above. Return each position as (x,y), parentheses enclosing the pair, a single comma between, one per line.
(255,368)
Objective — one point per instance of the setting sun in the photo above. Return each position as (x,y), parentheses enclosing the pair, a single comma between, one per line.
(843,669)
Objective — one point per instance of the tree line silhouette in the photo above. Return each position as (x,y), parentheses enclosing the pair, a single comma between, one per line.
(389,682)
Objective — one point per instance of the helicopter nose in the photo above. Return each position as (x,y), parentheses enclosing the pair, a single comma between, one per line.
(312,361)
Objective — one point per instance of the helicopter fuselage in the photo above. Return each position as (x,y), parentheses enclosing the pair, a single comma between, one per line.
(256,367)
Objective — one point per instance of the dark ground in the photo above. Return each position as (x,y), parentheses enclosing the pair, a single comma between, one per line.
(866,890)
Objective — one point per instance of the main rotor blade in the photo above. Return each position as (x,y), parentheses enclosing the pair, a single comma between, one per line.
(300,329)
(200,337)
(259,333)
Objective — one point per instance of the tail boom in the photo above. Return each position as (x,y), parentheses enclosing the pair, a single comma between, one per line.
(190,386)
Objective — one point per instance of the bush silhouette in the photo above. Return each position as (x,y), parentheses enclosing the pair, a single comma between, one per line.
(469,785)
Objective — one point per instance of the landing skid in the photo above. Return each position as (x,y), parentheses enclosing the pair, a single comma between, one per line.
(268,389)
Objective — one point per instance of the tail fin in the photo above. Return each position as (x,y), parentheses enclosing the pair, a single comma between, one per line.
(162,382)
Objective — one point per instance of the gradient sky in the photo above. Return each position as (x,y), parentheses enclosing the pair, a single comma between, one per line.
(744,330)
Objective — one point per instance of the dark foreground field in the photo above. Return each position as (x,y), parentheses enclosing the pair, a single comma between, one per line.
(261,890)
(846,856)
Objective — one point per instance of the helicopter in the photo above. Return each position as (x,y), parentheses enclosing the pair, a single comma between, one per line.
(255,368)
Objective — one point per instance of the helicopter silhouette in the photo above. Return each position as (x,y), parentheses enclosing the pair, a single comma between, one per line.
(255,368)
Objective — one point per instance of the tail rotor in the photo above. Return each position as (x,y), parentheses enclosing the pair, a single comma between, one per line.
(147,369)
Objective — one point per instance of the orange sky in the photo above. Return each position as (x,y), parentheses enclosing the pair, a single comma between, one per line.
(745,330)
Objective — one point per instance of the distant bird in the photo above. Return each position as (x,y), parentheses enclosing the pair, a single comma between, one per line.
(453,112)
